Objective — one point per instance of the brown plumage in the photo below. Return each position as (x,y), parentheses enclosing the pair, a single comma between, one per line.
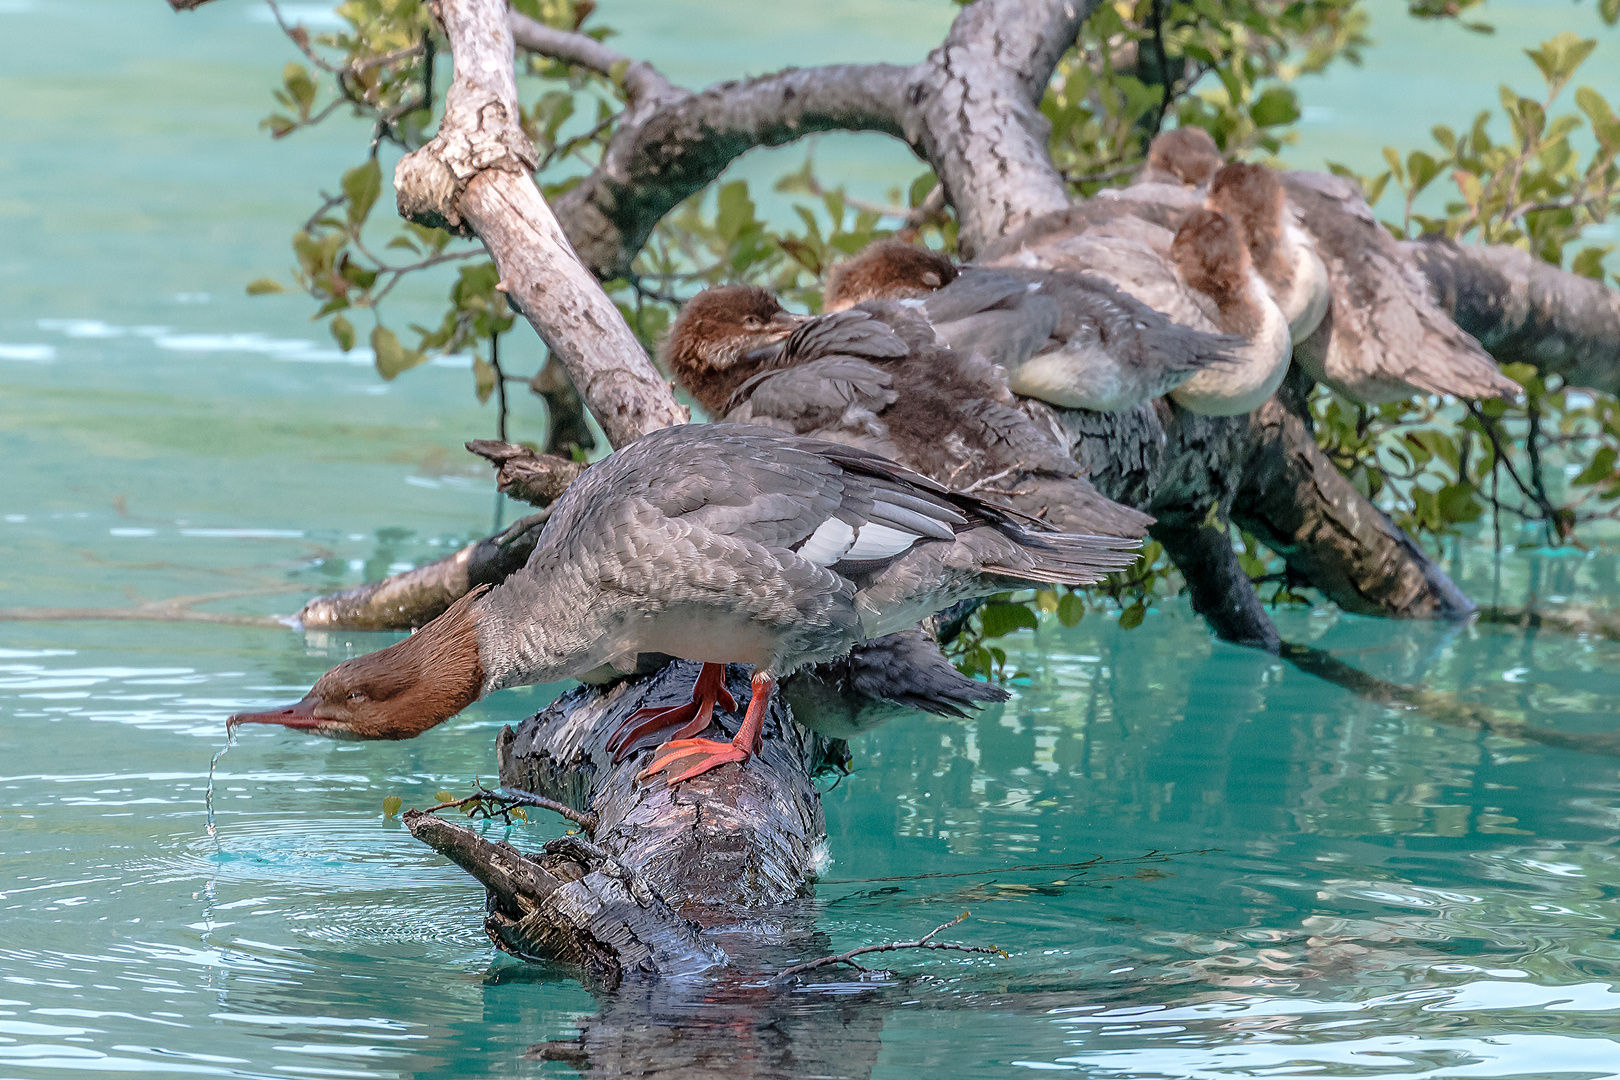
(1183,155)
(1211,257)
(1385,339)
(398,692)
(887,270)
(874,376)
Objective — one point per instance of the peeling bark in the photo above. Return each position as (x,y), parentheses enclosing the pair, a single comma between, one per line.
(474,176)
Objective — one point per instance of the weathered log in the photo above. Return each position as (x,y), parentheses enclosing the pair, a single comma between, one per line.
(474,177)
(1294,500)
(662,864)
(416,597)
(537,479)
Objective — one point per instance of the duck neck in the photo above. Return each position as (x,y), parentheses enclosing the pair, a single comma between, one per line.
(535,628)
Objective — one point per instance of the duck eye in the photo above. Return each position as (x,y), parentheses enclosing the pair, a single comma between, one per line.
(356,696)
(752,322)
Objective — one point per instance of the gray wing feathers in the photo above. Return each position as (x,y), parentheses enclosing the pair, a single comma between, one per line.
(842,333)
(841,392)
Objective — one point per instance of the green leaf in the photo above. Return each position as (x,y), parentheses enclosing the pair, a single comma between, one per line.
(1600,468)
(1610,11)
(361,185)
(264,286)
(617,69)
(1071,609)
(343,333)
(1458,504)
(483,378)
(443,796)
(1275,107)
(1558,57)
(392,357)
(1000,619)
(1421,168)
(1132,617)
(391,805)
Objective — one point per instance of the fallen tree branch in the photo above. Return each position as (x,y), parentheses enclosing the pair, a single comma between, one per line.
(537,479)
(1443,708)
(474,177)
(925,942)
(1294,500)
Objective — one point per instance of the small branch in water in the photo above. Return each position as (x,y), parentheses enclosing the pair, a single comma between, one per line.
(501,801)
(925,942)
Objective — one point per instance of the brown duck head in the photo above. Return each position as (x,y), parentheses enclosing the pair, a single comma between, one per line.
(887,270)
(1251,196)
(1210,254)
(722,337)
(1185,155)
(394,693)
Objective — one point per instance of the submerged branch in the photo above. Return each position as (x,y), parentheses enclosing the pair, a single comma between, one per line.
(925,942)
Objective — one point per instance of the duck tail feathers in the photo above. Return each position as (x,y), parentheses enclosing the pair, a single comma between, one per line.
(1052,558)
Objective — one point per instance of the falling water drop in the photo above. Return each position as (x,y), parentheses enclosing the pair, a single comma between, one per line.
(208,799)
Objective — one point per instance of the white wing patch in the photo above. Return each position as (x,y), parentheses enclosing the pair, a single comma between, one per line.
(874,541)
(828,543)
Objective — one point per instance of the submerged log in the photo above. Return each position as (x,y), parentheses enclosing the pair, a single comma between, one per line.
(662,865)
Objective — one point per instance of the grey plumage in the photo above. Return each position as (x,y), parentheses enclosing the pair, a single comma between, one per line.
(730,543)
(875,377)
(880,680)
(1384,338)
(1072,338)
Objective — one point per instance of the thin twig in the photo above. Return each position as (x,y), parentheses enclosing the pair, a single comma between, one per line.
(924,942)
(488,803)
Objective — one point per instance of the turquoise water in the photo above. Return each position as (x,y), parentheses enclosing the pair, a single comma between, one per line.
(1238,870)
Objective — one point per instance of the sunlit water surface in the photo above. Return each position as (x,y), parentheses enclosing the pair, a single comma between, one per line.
(1201,863)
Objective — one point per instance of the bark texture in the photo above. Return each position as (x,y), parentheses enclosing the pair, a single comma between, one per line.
(1296,502)
(475,177)
(662,865)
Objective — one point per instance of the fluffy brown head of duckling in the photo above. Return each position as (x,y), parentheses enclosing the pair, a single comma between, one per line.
(1209,252)
(717,341)
(1252,196)
(887,270)
(1186,153)
(394,693)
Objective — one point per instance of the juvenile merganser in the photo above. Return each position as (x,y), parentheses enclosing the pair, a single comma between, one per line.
(1384,338)
(1283,252)
(713,543)
(1067,338)
(1182,157)
(1200,276)
(875,376)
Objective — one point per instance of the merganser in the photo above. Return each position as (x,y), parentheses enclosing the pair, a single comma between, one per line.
(1064,337)
(1384,338)
(1182,157)
(713,543)
(1283,252)
(1200,276)
(875,376)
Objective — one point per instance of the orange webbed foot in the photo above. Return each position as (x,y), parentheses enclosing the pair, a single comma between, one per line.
(693,757)
(691,717)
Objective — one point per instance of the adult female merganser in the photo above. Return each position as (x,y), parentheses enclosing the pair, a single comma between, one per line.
(875,377)
(1283,252)
(1384,338)
(713,543)
(1067,338)
(1200,276)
